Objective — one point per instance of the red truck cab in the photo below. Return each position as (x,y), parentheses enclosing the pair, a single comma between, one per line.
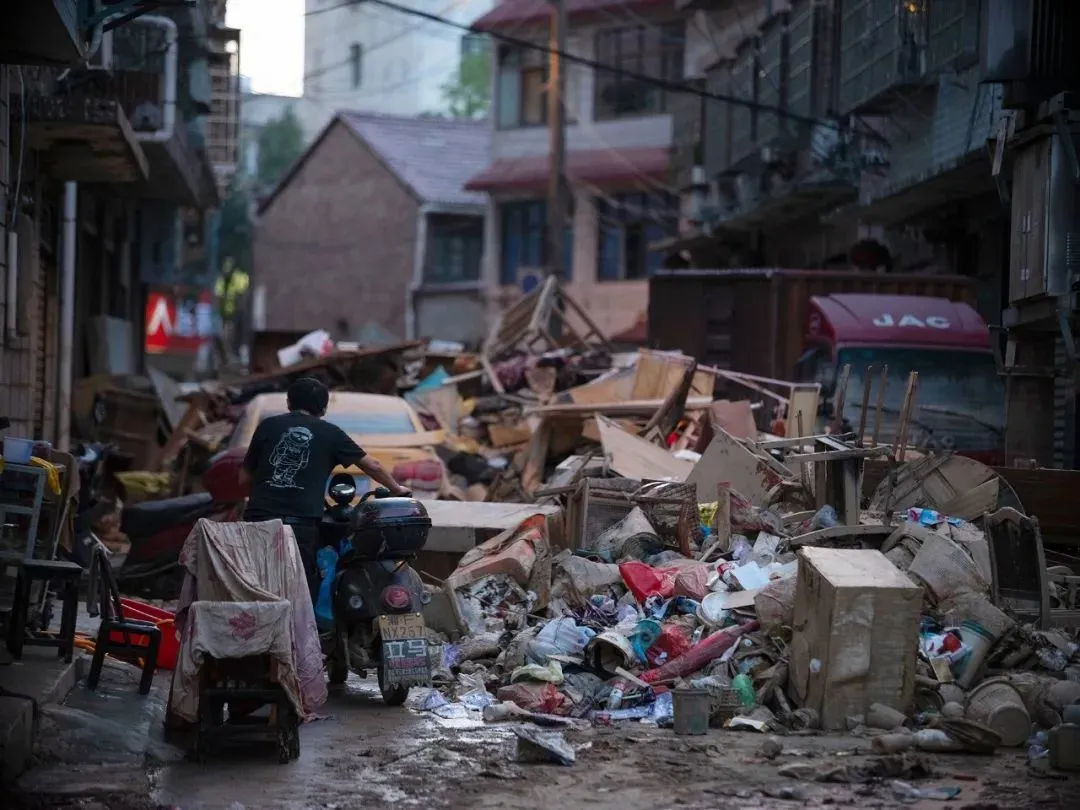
(960,404)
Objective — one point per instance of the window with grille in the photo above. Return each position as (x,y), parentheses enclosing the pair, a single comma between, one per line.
(655,51)
(524,239)
(521,88)
(455,249)
(628,224)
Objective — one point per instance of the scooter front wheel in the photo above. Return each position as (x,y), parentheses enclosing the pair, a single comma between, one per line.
(392,695)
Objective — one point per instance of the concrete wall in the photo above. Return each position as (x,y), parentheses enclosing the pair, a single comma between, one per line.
(337,243)
(451,315)
(406,59)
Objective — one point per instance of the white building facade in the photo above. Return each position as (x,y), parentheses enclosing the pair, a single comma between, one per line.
(368,58)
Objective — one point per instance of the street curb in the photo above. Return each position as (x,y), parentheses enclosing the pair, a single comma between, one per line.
(18,735)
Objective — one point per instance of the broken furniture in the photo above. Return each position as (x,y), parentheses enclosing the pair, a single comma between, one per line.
(22,491)
(126,639)
(856,632)
(235,682)
(1020,578)
(538,323)
(68,575)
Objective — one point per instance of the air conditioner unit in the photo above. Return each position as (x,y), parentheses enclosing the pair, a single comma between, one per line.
(529,278)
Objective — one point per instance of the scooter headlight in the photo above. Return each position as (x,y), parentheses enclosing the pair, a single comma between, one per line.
(355,602)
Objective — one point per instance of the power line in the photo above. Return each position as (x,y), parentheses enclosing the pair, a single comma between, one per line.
(665,84)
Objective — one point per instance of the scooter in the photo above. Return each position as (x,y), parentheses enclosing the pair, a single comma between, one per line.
(371,599)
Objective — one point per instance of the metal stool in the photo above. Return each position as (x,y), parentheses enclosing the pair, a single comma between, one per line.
(29,572)
(137,639)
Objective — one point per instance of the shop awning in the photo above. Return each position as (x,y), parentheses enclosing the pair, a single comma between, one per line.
(600,167)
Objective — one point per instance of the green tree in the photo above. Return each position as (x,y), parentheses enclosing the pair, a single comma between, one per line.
(281,142)
(468,94)
(234,234)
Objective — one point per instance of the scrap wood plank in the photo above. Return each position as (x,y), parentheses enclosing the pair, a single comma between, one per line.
(645,408)
(635,458)
(458,526)
(726,459)
(842,533)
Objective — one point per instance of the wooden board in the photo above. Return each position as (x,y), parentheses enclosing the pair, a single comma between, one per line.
(636,458)
(657,374)
(726,460)
(458,526)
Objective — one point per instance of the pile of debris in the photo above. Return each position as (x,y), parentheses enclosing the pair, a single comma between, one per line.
(752,616)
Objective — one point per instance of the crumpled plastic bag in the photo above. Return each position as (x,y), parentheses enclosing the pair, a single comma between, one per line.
(560,636)
(645,581)
(551,673)
(532,696)
(775,604)
(674,640)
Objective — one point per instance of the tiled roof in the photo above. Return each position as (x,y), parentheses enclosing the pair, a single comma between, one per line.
(519,12)
(596,166)
(435,157)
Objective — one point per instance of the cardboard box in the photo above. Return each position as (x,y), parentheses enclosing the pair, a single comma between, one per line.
(856,634)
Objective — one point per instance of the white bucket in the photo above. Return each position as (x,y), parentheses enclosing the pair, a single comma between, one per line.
(979,640)
(18,451)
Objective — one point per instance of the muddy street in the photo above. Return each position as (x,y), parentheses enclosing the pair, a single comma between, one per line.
(107,753)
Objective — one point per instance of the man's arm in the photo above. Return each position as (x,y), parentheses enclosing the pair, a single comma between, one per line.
(377,472)
(349,454)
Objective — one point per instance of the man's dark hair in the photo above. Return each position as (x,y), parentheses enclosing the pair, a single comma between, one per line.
(308,394)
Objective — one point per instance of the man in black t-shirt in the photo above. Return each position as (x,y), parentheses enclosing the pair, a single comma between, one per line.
(288,461)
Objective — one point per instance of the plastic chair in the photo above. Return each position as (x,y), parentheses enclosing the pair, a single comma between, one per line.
(29,572)
(126,639)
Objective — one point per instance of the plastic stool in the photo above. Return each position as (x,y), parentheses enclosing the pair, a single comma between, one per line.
(126,648)
(31,571)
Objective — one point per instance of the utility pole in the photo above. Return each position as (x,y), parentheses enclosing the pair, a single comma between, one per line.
(556,113)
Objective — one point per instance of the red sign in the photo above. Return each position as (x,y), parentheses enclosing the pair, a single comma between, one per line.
(175,324)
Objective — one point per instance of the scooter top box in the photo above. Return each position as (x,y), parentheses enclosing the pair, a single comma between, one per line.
(390,528)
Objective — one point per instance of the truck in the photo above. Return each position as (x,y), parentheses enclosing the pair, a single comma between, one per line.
(806,325)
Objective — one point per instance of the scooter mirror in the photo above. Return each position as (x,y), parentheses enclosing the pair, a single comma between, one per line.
(343,494)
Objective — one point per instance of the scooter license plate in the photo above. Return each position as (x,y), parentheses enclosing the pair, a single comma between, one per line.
(404,650)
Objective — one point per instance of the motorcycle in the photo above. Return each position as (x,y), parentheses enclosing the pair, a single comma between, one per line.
(156,529)
(373,596)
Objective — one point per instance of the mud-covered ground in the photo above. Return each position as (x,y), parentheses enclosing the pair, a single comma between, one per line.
(104,751)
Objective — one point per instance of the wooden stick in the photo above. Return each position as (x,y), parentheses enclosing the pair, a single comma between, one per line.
(841,398)
(905,416)
(868,380)
(880,404)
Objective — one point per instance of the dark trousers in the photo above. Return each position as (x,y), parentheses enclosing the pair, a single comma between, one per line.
(307,543)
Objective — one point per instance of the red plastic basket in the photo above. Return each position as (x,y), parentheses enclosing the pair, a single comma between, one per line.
(169,651)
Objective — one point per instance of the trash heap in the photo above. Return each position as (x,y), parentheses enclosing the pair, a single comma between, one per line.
(643,601)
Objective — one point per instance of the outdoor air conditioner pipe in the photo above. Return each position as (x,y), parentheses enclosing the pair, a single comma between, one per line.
(67,314)
(172,68)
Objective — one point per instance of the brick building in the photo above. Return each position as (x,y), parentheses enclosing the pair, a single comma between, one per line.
(372,228)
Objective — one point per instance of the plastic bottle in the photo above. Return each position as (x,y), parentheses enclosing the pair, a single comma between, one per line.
(824,518)
(745,687)
(618,689)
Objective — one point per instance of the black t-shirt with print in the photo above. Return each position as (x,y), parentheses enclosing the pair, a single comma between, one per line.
(289,459)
